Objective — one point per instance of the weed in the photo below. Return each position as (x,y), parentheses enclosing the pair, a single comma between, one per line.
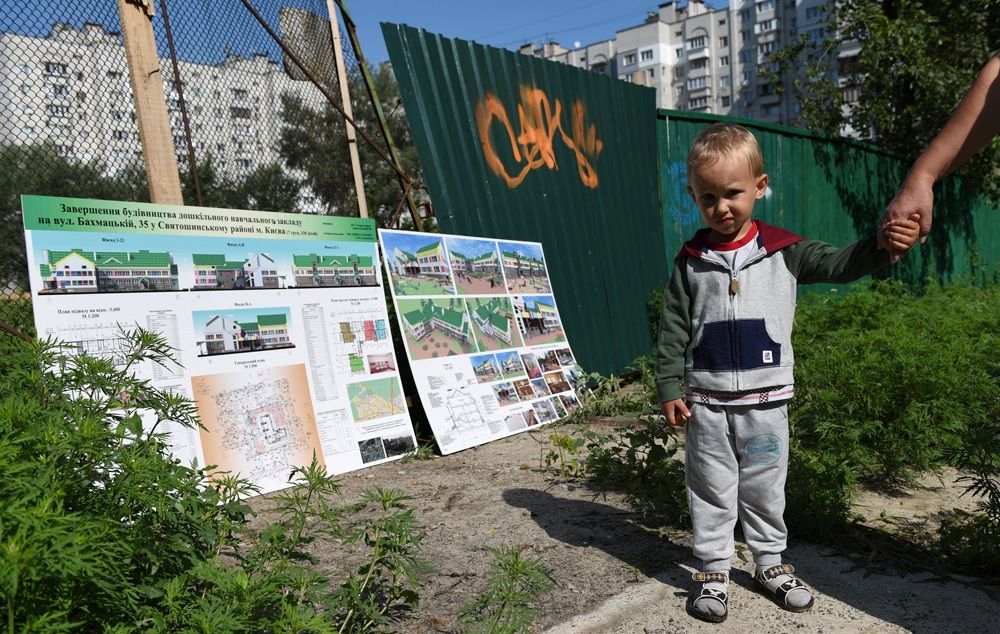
(422,452)
(516,584)
(564,453)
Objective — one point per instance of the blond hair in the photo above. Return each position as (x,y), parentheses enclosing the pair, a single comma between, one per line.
(725,139)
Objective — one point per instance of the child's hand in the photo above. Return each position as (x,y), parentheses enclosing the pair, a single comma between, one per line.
(676,411)
(901,234)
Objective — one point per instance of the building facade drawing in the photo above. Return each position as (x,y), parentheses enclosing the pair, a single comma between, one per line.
(215,271)
(79,271)
(333,270)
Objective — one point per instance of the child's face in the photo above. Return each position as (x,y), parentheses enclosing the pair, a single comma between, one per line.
(725,192)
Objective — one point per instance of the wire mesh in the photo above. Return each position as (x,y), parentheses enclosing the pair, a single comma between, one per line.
(261,135)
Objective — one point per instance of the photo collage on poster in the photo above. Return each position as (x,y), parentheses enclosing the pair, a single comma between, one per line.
(480,325)
(278,323)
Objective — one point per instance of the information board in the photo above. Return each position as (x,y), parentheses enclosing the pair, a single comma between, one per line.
(483,334)
(278,322)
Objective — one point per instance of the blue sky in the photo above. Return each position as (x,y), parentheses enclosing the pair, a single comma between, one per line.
(528,250)
(409,242)
(470,248)
(244,315)
(505,24)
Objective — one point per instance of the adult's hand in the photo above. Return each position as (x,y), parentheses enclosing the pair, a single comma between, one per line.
(914,197)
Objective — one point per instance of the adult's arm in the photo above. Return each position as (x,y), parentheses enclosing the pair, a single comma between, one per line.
(973,124)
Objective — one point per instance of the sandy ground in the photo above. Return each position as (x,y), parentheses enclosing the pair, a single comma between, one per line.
(613,575)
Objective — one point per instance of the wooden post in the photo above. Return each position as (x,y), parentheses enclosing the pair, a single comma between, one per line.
(150,103)
(345,99)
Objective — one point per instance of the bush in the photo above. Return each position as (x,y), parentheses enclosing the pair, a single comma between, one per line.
(102,530)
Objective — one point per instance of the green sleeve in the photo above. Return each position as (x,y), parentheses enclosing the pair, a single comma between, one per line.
(675,333)
(812,261)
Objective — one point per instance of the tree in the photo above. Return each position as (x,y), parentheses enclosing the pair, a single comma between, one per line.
(917,58)
(315,142)
(268,188)
(39,169)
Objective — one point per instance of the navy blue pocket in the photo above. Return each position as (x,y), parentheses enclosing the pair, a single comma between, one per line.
(715,350)
(756,348)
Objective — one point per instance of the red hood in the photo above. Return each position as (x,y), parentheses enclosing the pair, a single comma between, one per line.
(769,237)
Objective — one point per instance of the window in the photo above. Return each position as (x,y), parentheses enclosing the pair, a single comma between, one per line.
(679,71)
(697,82)
(79,76)
(850,94)
(242,129)
(55,68)
(646,56)
(766,26)
(58,111)
(240,113)
(25,69)
(629,59)
(747,76)
(628,79)
(765,5)
(179,142)
(243,162)
(699,63)
(745,15)
(724,41)
(745,36)
(814,12)
(696,42)
(679,51)
(724,81)
(745,57)
(698,102)
(726,101)
(765,48)
(650,73)
(722,22)
(114,74)
(816,35)
(119,135)
(240,94)
(772,111)
(723,61)
(64,150)
(57,90)
(764,90)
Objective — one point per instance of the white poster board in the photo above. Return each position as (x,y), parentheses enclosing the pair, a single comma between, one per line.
(278,322)
(482,331)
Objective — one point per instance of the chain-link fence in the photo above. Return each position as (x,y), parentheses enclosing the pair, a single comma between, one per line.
(249,129)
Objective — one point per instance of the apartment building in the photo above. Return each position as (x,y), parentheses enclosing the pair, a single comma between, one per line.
(71,88)
(706,59)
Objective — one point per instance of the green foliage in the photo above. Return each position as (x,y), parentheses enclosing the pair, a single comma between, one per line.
(315,141)
(917,59)
(516,584)
(268,188)
(887,381)
(101,529)
(39,169)
(564,452)
(422,452)
(641,461)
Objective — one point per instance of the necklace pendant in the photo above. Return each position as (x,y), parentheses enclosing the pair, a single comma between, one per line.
(734,286)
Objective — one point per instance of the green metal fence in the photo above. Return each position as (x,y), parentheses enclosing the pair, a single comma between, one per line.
(521,148)
(834,190)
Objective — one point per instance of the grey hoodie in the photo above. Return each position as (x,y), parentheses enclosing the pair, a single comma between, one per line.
(716,339)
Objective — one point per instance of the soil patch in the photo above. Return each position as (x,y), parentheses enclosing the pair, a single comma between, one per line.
(613,575)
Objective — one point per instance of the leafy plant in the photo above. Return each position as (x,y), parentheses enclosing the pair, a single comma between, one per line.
(102,529)
(516,584)
(564,451)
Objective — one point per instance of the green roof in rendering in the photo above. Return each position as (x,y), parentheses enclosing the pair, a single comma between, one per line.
(499,321)
(117,259)
(216,260)
(46,270)
(456,254)
(407,254)
(433,246)
(331,260)
(430,311)
(272,320)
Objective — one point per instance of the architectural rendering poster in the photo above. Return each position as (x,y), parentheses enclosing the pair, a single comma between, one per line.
(278,322)
(483,334)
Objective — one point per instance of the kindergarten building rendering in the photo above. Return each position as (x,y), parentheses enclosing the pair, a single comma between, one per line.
(333,270)
(80,271)
(224,334)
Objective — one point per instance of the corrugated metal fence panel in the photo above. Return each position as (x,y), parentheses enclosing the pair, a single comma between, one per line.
(603,244)
(833,190)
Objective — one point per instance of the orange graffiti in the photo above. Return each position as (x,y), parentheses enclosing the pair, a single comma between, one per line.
(534,147)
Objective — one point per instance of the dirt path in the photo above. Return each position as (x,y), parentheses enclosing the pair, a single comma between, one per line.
(612,575)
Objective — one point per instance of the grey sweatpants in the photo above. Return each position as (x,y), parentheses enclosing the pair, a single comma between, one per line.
(736,459)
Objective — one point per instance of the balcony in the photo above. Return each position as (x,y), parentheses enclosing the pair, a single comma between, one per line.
(697,53)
